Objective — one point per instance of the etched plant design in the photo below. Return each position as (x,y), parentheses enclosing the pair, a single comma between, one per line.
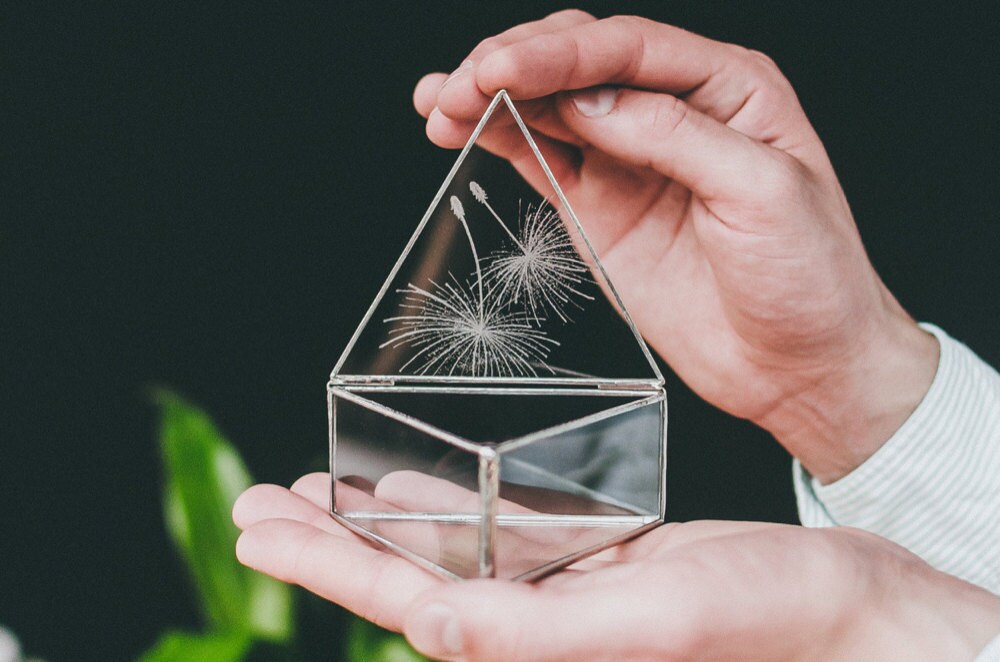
(455,329)
(544,269)
(492,324)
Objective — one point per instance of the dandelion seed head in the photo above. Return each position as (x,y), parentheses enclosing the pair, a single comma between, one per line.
(456,207)
(545,272)
(450,333)
(477,192)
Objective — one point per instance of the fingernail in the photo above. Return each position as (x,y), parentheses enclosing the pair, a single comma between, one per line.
(435,631)
(462,68)
(595,101)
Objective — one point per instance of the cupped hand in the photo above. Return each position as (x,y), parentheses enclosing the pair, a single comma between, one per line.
(718,215)
(700,590)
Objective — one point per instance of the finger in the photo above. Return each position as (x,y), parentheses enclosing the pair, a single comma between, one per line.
(373,584)
(263,502)
(460,95)
(461,622)
(626,50)
(539,115)
(729,83)
(315,487)
(507,142)
(662,132)
(622,50)
(426,91)
(307,501)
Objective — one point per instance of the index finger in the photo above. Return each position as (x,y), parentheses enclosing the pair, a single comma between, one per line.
(623,50)
(374,584)
(461,84)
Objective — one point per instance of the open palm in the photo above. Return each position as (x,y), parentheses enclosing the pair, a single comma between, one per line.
(705,590)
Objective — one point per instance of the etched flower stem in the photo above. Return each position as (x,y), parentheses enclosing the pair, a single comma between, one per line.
(480,194)
(459,212)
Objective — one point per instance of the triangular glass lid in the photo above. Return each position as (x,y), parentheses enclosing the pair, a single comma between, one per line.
(498,284)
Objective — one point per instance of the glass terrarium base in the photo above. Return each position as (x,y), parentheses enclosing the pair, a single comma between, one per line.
(527,546)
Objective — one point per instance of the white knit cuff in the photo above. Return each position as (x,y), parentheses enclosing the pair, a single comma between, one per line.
(934,486)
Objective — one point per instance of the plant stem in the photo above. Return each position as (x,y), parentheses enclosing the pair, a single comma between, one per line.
(504,226)
(479,193)
(459,212)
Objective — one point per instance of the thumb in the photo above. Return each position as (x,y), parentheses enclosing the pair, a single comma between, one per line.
(664,133)
(503,620)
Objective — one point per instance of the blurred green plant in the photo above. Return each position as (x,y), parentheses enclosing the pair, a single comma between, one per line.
(246,613)
(367,641)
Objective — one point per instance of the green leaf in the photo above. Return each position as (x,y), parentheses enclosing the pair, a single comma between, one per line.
(179,646)
(368,642)
(204,475)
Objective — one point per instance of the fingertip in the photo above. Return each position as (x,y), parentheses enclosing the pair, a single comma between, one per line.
(313,486)
(425,92)
(397,482)
(456,620)
(245,548)
(267,545)
(460,97)
(434,629)
(446,132)
(498,71)
(247,507)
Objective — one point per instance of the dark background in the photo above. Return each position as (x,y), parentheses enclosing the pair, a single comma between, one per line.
(208,195)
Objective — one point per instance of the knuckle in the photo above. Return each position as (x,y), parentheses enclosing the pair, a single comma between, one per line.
(764,68)
(633,29)
(763,59)
(573,15)
(628,21)
(487,45)
(782,179)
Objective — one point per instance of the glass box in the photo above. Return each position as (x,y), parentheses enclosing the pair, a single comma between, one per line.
(496,413)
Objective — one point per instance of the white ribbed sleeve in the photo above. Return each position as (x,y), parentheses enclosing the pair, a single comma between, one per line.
(934,487)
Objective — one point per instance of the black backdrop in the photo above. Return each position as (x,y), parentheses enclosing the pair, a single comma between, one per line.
(207,196)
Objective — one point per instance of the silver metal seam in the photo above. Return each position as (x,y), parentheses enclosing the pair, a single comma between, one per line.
(489,498)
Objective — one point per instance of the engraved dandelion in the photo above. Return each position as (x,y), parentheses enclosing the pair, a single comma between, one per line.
(453,329)
(545,269)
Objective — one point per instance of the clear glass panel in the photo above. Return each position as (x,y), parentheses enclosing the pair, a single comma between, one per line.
(494,415)
(498,282)
(591,477)
(408,488)
(610,466)
(579,489)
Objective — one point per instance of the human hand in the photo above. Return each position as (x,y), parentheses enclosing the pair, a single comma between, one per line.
(699,590)
(718,215)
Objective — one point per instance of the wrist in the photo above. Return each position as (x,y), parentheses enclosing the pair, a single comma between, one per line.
(844,416)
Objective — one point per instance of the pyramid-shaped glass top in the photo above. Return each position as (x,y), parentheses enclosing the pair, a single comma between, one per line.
(498,284)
